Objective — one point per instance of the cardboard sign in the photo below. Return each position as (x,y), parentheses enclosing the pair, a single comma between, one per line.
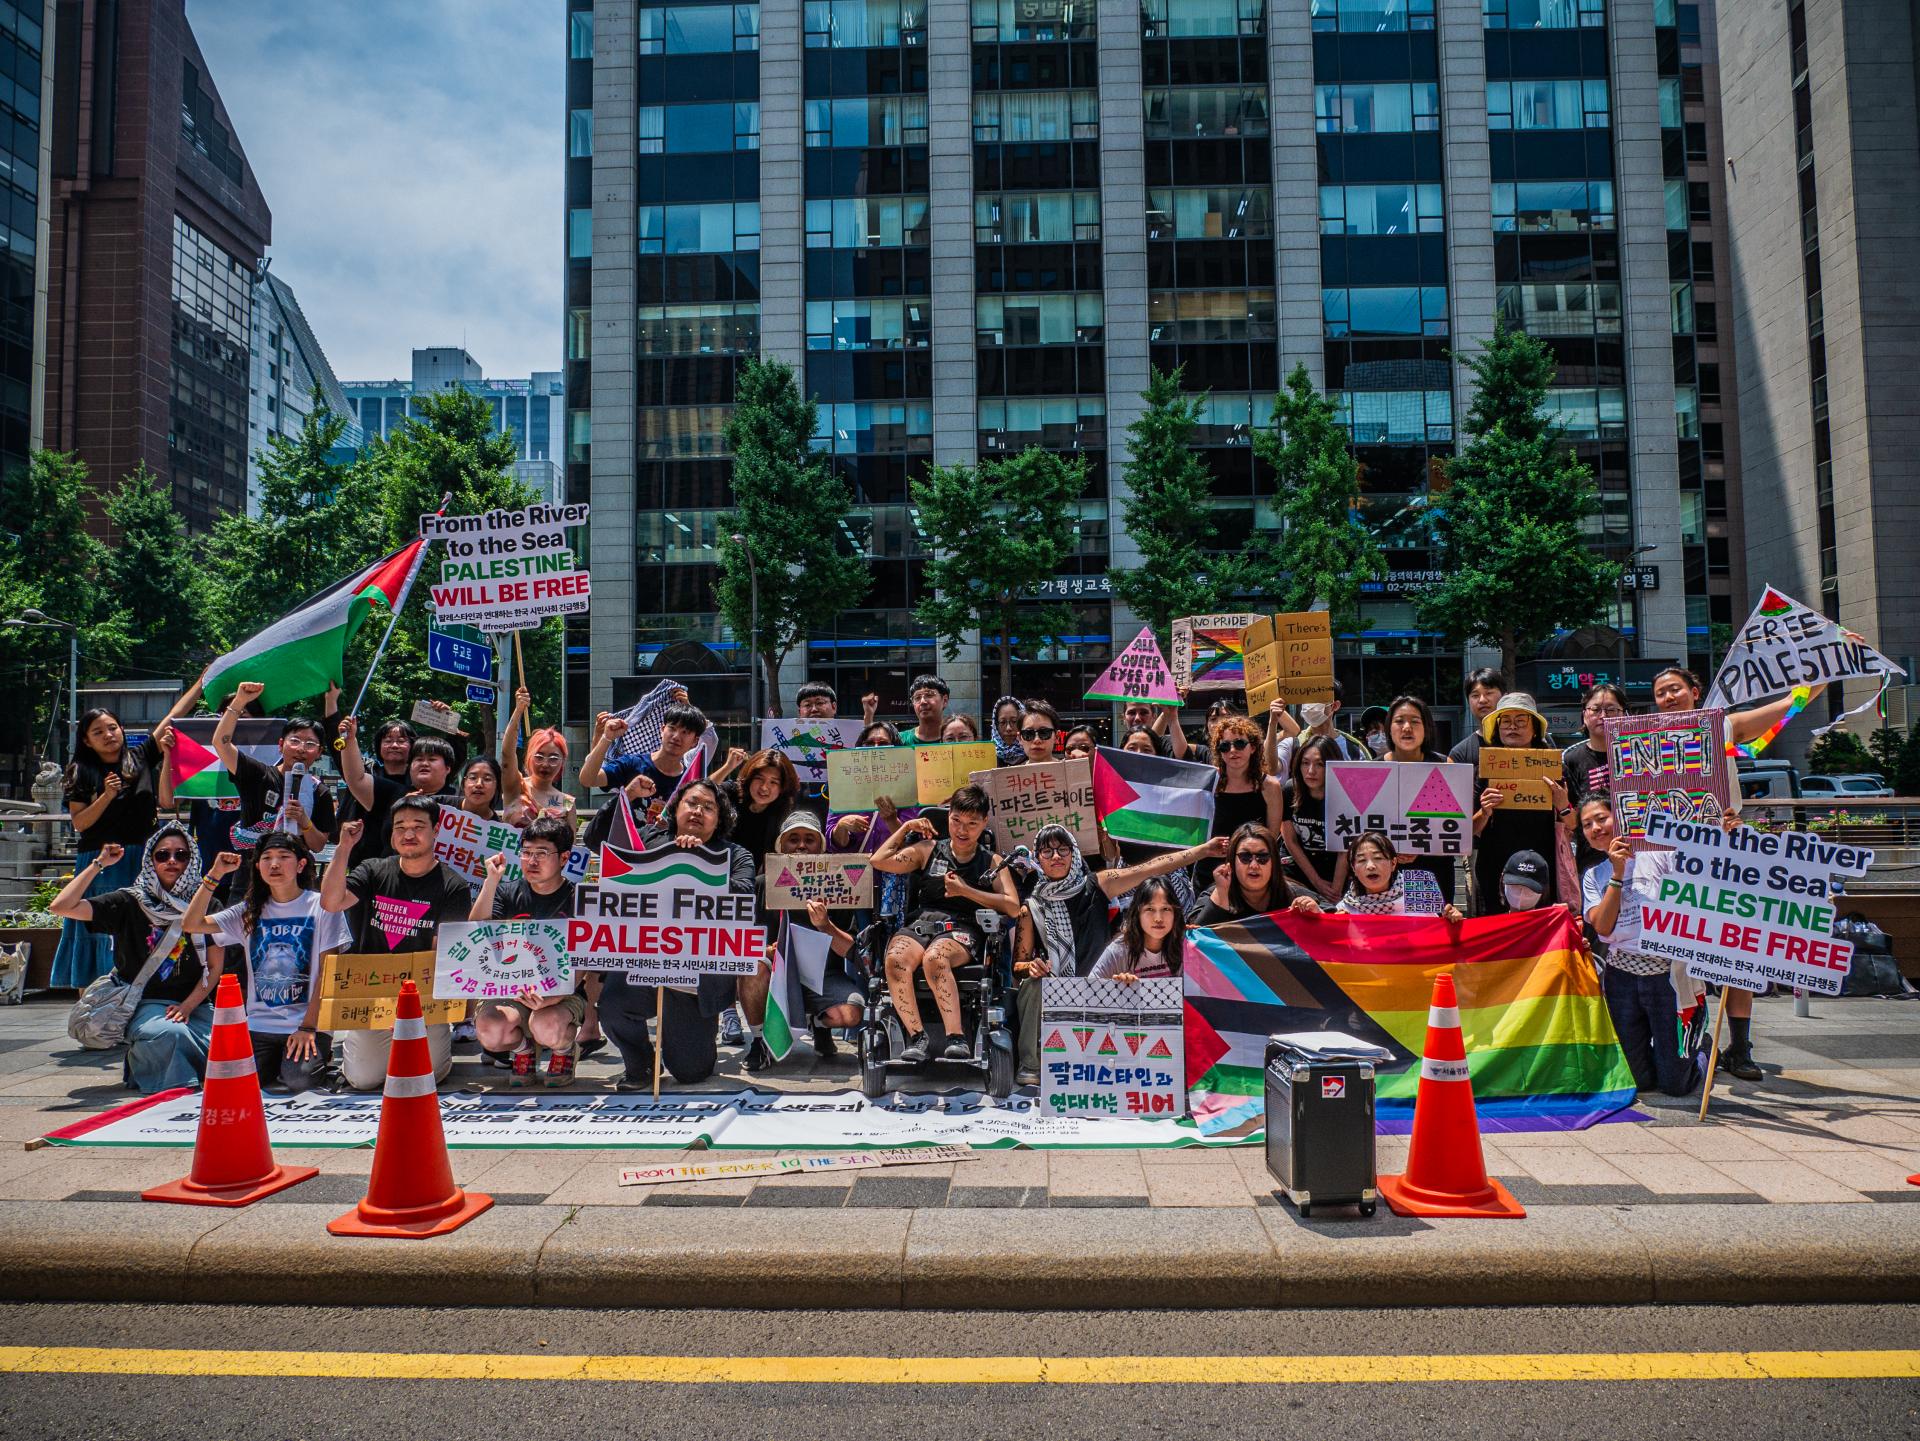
(1207,651)
(426,714)
(464,841)
(1139,673)
(843,882)
(808,743)
(508,569)
(1108,1049)
(1521,775)
(1026,798)
(858,777)
(665,917)
(1744,907)
(359,993)
(1425,807)
(941,770)
(1674,764)
(489,960)
(1289,655)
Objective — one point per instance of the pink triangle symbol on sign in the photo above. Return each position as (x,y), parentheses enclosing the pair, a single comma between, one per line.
(1436,800)
(854,873)
(1138,673)
(786,878)
(1362,780)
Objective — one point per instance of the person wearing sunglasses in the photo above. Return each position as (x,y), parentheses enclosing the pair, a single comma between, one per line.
(1038,728)
(1250,884)
(1245,792)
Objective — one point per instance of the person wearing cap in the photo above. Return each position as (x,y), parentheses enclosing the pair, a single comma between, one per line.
(1525,880)
(841,999)
(1373,732)
(1501,831)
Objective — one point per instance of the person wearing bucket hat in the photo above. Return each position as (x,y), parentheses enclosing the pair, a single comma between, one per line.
(1503,831)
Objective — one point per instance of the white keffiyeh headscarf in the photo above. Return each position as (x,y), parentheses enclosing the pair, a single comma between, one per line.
(1049,900)
(164,906)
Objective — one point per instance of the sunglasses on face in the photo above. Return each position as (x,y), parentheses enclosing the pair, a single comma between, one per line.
(1238,743)
(169,855)
(1254,858)
(1036,733)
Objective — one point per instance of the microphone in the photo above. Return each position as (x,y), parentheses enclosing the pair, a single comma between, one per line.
(295,782)
(1018,856)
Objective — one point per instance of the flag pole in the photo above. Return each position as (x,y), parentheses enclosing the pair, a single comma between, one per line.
(393,620)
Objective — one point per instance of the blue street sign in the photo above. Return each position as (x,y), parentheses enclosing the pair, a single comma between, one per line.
(451,655)
(481,693)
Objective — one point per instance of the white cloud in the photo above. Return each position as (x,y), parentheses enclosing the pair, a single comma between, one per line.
(413,158)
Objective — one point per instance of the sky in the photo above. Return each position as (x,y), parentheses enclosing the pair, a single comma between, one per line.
(412,155)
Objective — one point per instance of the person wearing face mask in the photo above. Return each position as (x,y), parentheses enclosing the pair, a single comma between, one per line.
(1373,732)
(1501,830)
(1316,719)
(1525,881)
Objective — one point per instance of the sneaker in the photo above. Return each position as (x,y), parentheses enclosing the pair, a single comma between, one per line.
(1740,1065)
(523,1066)
(758,1057)
(1027,1078)
(958,1048)
(559,1068)
(823,1045)
(732,1033)
(917,1049)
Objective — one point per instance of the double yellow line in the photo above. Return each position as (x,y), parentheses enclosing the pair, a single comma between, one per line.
(972,1370)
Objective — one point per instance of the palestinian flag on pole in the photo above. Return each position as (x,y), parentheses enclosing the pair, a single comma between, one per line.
(197,772)
(304,652)
(802,951)
(1152,800)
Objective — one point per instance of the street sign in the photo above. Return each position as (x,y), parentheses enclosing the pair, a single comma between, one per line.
(454,655)
(481,693)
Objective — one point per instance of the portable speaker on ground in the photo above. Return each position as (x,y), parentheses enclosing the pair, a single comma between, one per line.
(1320,1119)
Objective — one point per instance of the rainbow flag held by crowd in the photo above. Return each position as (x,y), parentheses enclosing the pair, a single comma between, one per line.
(1540,1043)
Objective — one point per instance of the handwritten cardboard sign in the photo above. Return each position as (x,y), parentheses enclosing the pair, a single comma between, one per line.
(808,743)
(1521,775)
(1673,764)
(1206,652)
(1112,1049)
(843,882)
(939,771)
(1139,674)
(1026,798)
(497,960)
(359,993)
(464,841)
(1291,655)
(1425,807)
(858,777)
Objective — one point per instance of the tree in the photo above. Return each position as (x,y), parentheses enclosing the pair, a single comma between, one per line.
(1883,748)
(1169,512)
(789,507)
(1905,777)
(1515,561)
(1325,551)
(1839,753)
(997,531)
(154,576)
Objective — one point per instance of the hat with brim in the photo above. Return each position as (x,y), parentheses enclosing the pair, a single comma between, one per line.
(1373,714)
(800,821)
(1514,702)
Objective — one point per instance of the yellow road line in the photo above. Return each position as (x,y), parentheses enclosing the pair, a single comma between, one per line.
(971,1370)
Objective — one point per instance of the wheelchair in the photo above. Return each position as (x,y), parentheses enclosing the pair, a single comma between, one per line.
(985,988)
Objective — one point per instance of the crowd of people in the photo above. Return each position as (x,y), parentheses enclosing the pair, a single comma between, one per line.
(297,868)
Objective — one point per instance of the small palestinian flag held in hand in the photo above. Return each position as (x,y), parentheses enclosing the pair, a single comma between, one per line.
(1152,800)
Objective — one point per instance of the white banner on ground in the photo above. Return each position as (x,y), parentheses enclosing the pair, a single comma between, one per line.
(508,569)
(794,1165)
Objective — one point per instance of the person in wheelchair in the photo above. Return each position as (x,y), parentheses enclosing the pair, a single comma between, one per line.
(947,880)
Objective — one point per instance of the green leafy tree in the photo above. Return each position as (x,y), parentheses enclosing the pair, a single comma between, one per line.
(1169,513)
(789,509)
(997,531)
(1515,560)
(154,576)
(1905,776)
(1325,552)
(1883,748)
(1840,753)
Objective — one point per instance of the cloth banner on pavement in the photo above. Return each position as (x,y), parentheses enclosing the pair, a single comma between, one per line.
(808,743)
(497,960)
(1207,651)
(1425,807)
(508,569)
(794,1165)
(464,841)
(665,917)
(1787,648)
(1673,764)
(1111,1049)
(1026,798)
(1139,673)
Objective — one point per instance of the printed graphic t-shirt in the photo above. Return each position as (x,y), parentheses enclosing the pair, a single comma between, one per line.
(394,911)
(283,957)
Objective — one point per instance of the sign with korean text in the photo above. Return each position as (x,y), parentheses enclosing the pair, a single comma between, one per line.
(939,771)
(498,960)
(1674,764)
(359,993)
(859,776)
(431,717)
(508,569)
(1425,807)
(665,917)
(471,659)
(1747,908)
(843,882)
(1108,1049)
(1206,653)
(1026,798)
(1291,655)
(808,743)
(1521,774)
(464,841)
(1139,673)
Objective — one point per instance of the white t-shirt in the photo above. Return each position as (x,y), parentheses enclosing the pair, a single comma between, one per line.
(283,957)
(1641,883)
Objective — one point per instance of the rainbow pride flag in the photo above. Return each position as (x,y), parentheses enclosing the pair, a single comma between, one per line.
(1540,1043)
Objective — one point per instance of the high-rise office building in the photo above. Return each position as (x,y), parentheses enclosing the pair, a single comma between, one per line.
(977,225)
(1822,184)
(530,408)
(22,273)
(156,225)
(288,368)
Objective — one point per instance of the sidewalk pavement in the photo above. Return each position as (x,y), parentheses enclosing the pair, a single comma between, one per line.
(1789,1192)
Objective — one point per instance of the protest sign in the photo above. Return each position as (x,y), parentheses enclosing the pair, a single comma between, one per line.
(843,882)
(1206,651)
(497,960)
(941,770)
(665,917)
(1785,645)
(464,841)
(795,1165)
(1675,764)
(1112,1049)
(426,714)
(359,992)
(1747,908)
(856,778)
(1025,798)
(1288,655)
(1521,775)
(807,743)
(1425,807)
(1139,673)
(508,569)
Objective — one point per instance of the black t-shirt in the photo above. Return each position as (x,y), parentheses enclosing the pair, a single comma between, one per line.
(119,914)
(1467,752)
(387,789)
(398,912)
(756,830)
(263,789)
(1586,771)
(516,900)
(1309,817)
(127,821)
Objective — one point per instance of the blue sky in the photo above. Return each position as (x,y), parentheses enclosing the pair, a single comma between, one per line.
(412,156)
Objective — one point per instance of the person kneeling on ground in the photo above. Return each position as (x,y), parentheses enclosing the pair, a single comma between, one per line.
(945,883)
(841,999)
(518,1027)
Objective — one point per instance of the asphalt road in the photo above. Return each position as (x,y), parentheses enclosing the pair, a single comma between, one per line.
(354,1405)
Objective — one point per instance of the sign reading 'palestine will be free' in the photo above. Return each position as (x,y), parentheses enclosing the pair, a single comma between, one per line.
(508,569)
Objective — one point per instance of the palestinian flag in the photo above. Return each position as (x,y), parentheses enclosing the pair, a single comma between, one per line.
(1154,801)
(708,867)
(802,949)
(304,652)
(1540,1042)
(197,773)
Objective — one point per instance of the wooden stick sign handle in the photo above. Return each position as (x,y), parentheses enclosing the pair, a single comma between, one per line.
(659,1024)
(1713,1053)
(519,664)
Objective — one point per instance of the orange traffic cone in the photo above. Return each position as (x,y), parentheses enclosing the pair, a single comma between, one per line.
(232,1160)
(411,1192)
(1446,1174)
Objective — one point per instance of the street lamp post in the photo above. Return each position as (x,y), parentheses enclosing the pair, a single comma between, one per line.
(32,619)
(753,635)
(1620,606)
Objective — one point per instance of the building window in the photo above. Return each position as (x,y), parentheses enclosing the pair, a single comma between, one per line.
(579,234)
(1056,217)
(1019,116)
(867,120)
(1547,105)
(1542,14)
(1682,307)
(1375,109)
(1672,117)
(1208,111)
(1381,209)
(864,24)
(1018,20)
(1395,417)
(869,324)
(698,129)
(867,223)
(1182,19)
(700,329)
(579,333)
(1545,309)
(699,229)
(1198,317)
(679,431)
(1385,310)
(1372,15)
(864,428)
(580,35)
(1211,214)
(697,29)
(1676,204)
(1052,422)
(579,133)
(1066,319)
(1588,414)
(1533,206)
(579,436)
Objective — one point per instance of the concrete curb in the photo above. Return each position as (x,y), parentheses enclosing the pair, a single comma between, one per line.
(1162,1258)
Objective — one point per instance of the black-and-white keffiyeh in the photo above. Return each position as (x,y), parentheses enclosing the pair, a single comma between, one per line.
(1390,902)
(1049,901)
(164,906)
